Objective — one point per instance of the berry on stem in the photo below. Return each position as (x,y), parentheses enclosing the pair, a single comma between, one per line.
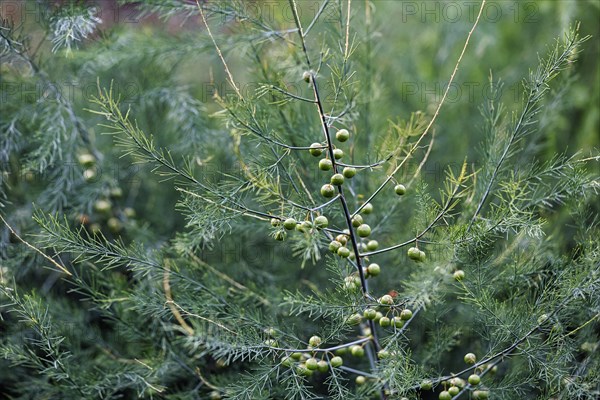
(364,230)
(372,245)
(370,313)
(373,269)
(413,254)
(325,164)
(360,380)
(343,239)
(322,366)
(349,172)
(342,135)
(454,390)
(334,246)
(385,321)
(444,395)
(459,275)
(306,76)
(314,341)
(470,358)
(338,153)
(367,209)
(321,222)
(289,224)
(474,379)
(343,252)
(400,189)
(357,221)
(426,384)
(312,363)
(386,299)
(337,179)
(316,149)
(406,314)
(336,361)
(327,191)
(357,351)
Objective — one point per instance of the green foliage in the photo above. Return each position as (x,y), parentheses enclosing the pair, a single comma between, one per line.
(146,173)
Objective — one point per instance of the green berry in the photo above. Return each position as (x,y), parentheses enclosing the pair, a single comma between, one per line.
(129,212)
(385,321)
(302,370)
(386,299)
(400,189)
(275,222)
(325,164)
(271,342)
(102,206)
(337,361)
(334,246)
(378,316)
(314,341)
(321,222)
(413,254)
(357,221)
(444,395)
(289,224)
(337,179)
(373,269)
(327,191)
(458,382)
(116,193)
(454,390)
(406,314)
(296,356)
(316,149)
(343,239)
(114,225)
(360,380)
(342,351)
(306,76)
(86,160)
(303,226)
(382,354)
(367,209)
(215,395)
(474,379)
(343,252)
(354,319)
(338,153)
(481,394)
(426,384)
(372,245)
(422,256)
(349,172)
(287,362)
(370,313)
(322,366)
(398,322)
(357,351)
(470,358)
(312,364)
(342,135)
(364,230)
(459,275)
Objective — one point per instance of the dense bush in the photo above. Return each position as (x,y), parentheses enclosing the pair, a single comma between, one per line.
(329,199)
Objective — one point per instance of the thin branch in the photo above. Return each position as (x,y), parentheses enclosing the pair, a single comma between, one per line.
(26,243)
